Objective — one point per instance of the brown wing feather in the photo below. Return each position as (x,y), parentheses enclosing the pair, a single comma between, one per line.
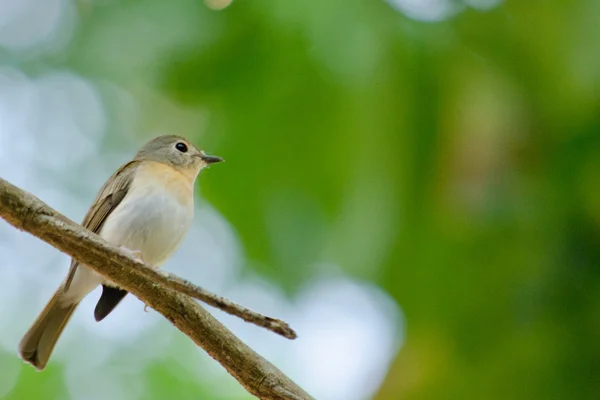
(110,196)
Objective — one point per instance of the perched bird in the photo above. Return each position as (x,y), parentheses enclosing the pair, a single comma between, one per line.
(146,207)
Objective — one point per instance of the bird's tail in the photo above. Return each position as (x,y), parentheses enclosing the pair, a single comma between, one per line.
(39,341)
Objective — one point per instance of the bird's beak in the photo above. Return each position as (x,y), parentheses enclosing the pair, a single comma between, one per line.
(210,159)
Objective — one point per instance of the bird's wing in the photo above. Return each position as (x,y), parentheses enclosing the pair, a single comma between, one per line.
(110,196)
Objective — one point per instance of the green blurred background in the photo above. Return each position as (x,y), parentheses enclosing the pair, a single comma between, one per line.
(445,153)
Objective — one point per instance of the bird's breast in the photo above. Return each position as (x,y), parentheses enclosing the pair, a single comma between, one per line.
(155,215)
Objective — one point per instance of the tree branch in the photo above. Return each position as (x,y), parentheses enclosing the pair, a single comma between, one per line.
(26,212)
(186,287)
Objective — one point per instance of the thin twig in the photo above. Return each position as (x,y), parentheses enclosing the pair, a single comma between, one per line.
(184,286)
(26,212)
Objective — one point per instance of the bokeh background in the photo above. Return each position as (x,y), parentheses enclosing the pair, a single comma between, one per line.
(413,184)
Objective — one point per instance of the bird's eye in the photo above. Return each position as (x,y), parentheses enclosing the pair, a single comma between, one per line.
(181,147)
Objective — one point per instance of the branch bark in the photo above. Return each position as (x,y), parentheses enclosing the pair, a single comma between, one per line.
(186,287)
(259,377)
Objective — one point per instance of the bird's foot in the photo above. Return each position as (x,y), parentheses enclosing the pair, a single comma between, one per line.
(135,254)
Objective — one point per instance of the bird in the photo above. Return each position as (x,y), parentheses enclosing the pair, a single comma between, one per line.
(146,207)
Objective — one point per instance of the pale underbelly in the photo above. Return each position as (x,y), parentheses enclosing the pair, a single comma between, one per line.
(150,223)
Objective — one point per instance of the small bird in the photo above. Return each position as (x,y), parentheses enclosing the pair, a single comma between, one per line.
(146,207)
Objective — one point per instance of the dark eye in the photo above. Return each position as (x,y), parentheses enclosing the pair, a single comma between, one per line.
(181,147)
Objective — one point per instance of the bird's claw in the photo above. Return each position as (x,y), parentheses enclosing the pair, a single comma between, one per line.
(135,254)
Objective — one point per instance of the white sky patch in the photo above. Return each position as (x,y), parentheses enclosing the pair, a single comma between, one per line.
(438,10)
(33,25)
(350,332)
(425,10)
